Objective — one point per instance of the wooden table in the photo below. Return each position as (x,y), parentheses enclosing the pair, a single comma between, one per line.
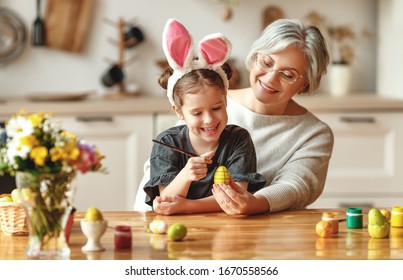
(288,235)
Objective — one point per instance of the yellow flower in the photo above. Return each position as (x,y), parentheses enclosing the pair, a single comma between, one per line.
(39,154)
(29,141)
(68,134)
(22,112)
(56,153)
(35,120)
(73,153)
(70,151)
(34,142)
(98,154)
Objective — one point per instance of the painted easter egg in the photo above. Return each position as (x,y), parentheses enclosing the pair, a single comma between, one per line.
(378,224)
(177,232)
(158,226)
(222,175)
(324,228)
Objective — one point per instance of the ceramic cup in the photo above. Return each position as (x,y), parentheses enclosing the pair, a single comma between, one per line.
(93,231)
(113,76)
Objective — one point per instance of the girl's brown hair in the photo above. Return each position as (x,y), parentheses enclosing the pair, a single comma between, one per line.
(191,82)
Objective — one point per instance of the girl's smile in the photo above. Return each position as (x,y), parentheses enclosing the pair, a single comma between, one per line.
(205,115)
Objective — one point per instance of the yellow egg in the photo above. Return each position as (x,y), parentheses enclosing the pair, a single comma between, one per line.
(378,225)
(387,214)
(93,214)
(222,175)
(324,228)
(377,231)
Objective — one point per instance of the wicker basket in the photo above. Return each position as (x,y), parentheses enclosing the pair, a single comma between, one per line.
(13,219)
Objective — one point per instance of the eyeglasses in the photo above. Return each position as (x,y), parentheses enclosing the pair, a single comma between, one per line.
(288,76)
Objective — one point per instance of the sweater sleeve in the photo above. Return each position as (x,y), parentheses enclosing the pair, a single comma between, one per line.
(300,181)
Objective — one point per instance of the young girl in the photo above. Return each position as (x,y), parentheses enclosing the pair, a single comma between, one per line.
(197,90)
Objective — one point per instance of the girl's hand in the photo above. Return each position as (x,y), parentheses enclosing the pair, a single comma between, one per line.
(169,205)
(235,200)
(196,167)
(194,170)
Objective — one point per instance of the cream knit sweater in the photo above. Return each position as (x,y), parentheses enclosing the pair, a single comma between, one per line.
(293,154)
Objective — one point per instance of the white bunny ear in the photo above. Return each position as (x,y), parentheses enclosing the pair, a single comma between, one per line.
(177,45)
(214,49)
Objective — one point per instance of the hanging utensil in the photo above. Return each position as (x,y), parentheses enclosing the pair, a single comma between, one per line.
(12,36)
(39,32)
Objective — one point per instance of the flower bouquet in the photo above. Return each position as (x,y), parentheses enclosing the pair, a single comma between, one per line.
(45,159)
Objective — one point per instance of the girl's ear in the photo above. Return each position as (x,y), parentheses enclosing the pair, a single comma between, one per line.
(178,112)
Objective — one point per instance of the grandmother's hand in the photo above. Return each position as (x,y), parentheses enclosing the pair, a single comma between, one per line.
(235,200)
(169,204)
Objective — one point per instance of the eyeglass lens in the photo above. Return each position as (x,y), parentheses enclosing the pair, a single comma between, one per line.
(266,65)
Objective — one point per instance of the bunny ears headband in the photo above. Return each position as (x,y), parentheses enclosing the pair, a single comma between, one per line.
(177,44)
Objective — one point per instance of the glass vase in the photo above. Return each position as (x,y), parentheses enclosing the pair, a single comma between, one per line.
(48,201)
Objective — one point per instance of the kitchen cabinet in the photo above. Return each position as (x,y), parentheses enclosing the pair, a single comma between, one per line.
(126,143)
(164,121)
(367,161)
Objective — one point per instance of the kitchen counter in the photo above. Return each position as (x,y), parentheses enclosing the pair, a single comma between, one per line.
(288,235)
(319,102)
(355,102)
(89,106)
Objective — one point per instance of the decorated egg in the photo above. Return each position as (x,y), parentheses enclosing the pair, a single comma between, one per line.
(158,226)
(378,225)
(222,175)
(324,228)
(387,214)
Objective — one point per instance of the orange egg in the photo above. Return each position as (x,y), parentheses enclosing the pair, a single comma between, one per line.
(222,175)
(324,229)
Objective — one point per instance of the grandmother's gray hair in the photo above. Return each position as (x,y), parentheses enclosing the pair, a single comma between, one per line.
(285,32)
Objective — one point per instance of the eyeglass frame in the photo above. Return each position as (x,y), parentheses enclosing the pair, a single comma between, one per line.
(283,75)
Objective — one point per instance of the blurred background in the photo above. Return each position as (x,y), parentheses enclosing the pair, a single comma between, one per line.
(52,68)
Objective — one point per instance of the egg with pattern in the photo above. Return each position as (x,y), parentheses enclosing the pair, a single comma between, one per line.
(222,175)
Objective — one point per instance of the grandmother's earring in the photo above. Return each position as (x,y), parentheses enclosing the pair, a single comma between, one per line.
(304,88)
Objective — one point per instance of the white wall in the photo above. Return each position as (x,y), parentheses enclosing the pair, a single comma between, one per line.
(390,59)
(44,69)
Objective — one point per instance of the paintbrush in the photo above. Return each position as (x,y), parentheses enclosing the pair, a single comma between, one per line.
(176,149)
